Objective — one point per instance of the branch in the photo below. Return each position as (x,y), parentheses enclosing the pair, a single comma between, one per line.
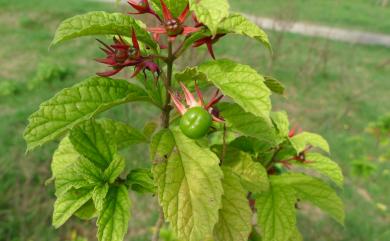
(158,226)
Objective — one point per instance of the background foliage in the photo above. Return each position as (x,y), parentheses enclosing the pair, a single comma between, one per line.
(354,77)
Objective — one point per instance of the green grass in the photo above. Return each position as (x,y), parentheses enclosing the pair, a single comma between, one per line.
(333,88)
(366,15)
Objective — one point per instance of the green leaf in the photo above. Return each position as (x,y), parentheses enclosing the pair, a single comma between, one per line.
(247,123)
(69,203)
(162,144)
(210,12)
(175,6)
(324,166)
(252,174)
(115,168)
(149,129)
(92,141)
(141,180)
(189,188)
(238,24)
(302,140)
(99,194)
(122,134)
(235,217)
(64,157)
(114,217)
(81,174)
(317,192)
(250,145)
(87,211)
(72,106)
(242,83)
(190,75)
(274,85)
(101,23)
(296,236)
(280,120)
(276,212)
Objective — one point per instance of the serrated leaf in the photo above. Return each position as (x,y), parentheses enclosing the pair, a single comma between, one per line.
(317,192)
(115,168)
(276,212)
(81,174)
(114,217)
(247,123)
(162,144)
(242,83)
(64,157)
(210,12)
(252,174)
(72,106)
(274,85)
(101,23)
(324,165)
(235,217)
(69,203)
(189,188)
(122,134)
(99,194)
(236,23)
(92,141)
(141,180)
(302,140)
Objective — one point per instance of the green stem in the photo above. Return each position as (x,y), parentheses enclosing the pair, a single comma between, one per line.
(168,82)
(165,117)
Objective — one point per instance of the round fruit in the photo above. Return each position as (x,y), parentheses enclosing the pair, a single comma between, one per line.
(195,123)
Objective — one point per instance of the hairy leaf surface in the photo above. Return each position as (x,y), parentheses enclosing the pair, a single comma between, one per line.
(302,140)
(64,157)
(115,168)
(236,23)
(69,203)
(122,134)
(141,180)
(72,106)
(92,141)
(316,191)
(175,6)
(162,144)
(325,166)
(253,175)
(81,174)
(274,85)
(99,194)
(189,188)
(276,212)
(247,123)
(235,217)
(101,23)
(242,83)
(210,12)
(114,217)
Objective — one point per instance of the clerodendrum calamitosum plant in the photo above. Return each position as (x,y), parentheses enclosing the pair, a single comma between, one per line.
(215,163)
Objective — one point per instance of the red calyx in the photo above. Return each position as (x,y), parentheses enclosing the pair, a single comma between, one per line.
(121,55)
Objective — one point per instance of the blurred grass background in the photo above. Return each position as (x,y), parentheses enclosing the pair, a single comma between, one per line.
(333,88)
